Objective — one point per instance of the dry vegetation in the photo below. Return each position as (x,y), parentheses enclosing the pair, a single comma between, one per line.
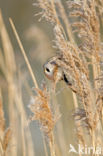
(78,41)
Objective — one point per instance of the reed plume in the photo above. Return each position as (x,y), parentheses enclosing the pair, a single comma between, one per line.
(5,133)
(75,58)
(78,42)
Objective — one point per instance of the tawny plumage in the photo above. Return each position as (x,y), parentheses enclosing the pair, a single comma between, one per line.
(55,73)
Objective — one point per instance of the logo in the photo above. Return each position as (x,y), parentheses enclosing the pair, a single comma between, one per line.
(85,150)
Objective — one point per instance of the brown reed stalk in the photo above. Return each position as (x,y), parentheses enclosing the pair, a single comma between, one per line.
(23,52)
(15,102)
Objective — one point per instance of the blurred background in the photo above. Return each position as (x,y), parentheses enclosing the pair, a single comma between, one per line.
(37,39)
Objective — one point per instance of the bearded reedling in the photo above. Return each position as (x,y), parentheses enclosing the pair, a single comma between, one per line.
(55,73)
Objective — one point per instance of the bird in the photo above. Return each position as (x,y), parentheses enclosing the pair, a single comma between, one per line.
(55,73)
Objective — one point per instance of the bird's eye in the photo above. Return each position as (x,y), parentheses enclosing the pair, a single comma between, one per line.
(47,69)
